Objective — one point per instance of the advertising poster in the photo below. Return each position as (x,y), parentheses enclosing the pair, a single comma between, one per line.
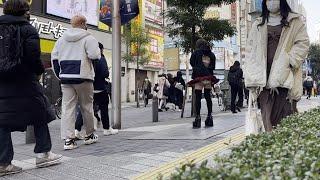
(3,1)
(156,47)
(69,8)
(153,11)
(129,9)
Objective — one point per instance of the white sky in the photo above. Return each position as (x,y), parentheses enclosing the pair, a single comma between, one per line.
(313,18)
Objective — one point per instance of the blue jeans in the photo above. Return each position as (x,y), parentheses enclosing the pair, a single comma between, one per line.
(43,142)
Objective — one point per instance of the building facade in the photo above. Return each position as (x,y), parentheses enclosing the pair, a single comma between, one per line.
(52,19)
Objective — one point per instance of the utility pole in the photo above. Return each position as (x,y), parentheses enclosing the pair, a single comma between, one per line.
(116,65)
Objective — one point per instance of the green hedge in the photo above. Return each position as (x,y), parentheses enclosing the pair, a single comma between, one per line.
(292,151)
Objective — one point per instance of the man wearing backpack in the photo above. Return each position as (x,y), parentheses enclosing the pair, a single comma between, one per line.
(235,78)
(101,99)
(72,59)
(22,100)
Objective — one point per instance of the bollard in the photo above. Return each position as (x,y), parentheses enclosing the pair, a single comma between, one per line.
(30,139)
(155,112)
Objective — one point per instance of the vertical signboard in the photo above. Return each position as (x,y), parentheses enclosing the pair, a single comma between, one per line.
(219,52)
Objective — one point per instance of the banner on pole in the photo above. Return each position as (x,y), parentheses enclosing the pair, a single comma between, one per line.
(129,9)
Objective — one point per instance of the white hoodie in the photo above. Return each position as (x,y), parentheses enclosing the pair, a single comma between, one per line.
(73,54)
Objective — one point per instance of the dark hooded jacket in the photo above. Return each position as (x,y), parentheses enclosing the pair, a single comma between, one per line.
(235,76)
(22,101)
(196,60)
(101,73)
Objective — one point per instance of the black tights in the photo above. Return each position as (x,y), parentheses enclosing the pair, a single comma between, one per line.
(207,95)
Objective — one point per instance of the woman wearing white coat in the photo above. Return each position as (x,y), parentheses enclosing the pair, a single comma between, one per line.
(164,86)
(277,46)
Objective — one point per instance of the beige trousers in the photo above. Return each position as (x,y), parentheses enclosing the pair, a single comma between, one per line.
(72,95)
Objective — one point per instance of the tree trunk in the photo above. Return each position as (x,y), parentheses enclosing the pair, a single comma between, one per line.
(137,87)
(193,47)
(127,78)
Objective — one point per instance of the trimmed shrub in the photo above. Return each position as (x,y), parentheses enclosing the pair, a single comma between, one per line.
(292,151)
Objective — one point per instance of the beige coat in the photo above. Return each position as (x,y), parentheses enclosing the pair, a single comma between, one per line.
(162,82)
(286,70)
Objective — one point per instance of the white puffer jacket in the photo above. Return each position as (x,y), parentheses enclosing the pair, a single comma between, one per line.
(286,70)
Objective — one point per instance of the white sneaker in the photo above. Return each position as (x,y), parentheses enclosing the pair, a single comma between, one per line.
(70,144)
(79,135)
(108,132)
(93,138)
(48,159)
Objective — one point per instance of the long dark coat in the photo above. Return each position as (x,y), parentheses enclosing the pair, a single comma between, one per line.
(22,99)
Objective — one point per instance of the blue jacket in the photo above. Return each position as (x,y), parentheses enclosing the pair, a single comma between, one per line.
(101,73)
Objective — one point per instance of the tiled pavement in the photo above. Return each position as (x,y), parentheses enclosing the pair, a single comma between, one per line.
(124,156)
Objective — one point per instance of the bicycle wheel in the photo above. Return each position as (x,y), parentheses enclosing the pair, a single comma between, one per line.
(58,108)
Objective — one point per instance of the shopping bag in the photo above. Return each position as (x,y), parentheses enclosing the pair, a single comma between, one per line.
(254,122)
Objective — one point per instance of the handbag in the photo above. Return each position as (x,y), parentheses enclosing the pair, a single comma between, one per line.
(179,86)
(254,123)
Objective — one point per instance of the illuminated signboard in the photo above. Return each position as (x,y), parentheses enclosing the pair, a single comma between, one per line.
(69,8)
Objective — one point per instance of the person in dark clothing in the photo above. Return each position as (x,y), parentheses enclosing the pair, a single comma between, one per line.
(235,78)
(101,99)
(240,95)
(180,85)
(308,85)
(171,97)
(22,99)
(203,63)
(146,91)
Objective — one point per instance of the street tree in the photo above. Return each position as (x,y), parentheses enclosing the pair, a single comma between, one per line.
(314,57)
(137,42)
(187,22)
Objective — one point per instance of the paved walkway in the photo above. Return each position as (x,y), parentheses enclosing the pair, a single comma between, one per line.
(137,152)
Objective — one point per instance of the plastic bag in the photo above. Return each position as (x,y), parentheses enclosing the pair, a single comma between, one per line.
(254,123)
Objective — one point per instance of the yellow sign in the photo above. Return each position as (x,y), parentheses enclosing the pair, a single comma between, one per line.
(47,45)
(171,59)
(3,1)
(212,14)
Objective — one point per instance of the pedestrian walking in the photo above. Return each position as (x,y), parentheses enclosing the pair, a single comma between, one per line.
(163,93)
(277,46)
(146,91)
(101,99)
(308,85)
(180,86)
(203,64)
(72,59)
(172,91)
(235,77)
(22,99)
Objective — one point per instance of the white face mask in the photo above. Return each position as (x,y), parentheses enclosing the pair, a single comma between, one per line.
(273,6)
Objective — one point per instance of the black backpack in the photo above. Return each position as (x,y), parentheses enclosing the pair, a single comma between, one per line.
(10,49)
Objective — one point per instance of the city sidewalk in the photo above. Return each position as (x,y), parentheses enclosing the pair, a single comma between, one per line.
(140,151)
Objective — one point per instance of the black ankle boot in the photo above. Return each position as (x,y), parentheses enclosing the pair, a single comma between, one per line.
(197,123)
(209,121)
